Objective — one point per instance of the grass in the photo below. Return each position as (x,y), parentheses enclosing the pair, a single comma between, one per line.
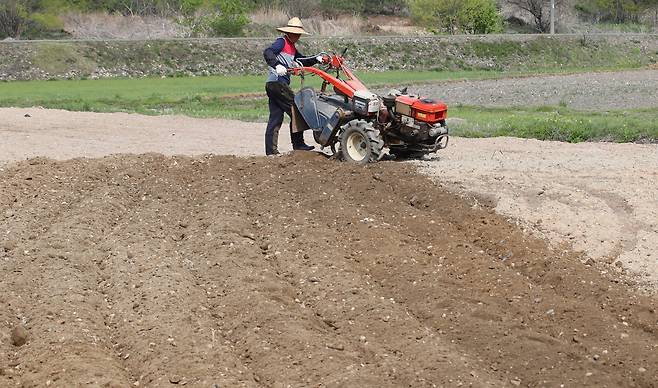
(214,96)
(242,98)
(124,91)
(58,58)
(556,123)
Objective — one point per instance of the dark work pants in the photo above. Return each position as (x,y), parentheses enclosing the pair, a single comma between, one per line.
(280,101)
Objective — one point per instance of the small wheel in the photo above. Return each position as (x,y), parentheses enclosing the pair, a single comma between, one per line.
(360,142)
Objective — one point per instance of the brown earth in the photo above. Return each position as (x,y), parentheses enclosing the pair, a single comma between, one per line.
(158,270)
(294,271)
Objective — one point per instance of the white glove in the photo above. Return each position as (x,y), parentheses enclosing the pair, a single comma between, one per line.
(281,70)
(320,58)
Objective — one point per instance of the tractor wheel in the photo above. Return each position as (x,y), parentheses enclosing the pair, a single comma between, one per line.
(360,142)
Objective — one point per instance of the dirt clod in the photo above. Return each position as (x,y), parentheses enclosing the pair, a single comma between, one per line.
(19,335)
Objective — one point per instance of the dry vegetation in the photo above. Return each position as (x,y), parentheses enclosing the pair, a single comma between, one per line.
(101,25)
(345,25)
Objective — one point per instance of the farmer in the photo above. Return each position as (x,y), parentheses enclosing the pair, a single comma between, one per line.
(280,57)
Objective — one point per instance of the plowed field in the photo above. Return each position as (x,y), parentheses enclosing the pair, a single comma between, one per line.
(152,270)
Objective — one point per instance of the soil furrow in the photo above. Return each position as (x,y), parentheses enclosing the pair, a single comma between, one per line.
(296,271)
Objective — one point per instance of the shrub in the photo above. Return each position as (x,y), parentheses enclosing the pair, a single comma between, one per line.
(479,17)
(20,19)
(385,7)
(617,11)
(228,24)
(301,8)
(337,7)
(456,16)
(13,18)
(216,17)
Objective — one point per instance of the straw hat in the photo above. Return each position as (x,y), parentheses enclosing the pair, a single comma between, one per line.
(294,26)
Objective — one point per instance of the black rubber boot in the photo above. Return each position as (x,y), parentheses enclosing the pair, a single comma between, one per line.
(298,142)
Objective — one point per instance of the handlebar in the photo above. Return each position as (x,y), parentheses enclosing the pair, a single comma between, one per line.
(335,62)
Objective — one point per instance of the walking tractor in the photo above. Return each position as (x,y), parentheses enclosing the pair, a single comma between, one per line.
(357,125)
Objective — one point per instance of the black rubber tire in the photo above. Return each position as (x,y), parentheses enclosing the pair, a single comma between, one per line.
(360,142)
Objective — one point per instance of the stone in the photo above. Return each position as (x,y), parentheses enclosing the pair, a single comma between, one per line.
(19,336)
(335,346)
(174,379)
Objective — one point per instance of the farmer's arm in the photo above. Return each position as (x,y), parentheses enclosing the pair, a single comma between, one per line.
(271,52)
(306,61)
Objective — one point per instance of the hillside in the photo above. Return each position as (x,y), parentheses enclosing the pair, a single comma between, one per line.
(28,60)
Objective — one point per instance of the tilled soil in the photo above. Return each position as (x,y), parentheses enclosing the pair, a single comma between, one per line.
(600,198)
(153,270)
(294,271)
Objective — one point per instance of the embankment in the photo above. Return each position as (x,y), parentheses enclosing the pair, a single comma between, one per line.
(29,60)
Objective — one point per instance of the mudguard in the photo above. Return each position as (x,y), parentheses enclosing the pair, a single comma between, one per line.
(316,114)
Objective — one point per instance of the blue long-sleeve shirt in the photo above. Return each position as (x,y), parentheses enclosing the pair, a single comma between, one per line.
(283,52)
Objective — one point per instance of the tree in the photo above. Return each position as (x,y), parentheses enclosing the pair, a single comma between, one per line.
(540,10)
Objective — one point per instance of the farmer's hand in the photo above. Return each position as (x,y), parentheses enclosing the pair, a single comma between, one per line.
(281,70)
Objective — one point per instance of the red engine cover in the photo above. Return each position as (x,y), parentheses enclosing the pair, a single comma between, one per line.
(423,109)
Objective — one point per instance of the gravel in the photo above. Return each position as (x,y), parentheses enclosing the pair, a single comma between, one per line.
(588,91)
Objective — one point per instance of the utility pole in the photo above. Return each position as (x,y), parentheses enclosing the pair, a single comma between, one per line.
(552,17)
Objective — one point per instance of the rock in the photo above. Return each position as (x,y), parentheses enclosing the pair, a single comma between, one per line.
(19,336)
(596,357)
(641,370)
(414,201)
(590,262)
(174,379)
(335,346)
(9,245)
(515,382)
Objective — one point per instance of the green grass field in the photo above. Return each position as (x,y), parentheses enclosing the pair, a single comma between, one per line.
(242,98)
